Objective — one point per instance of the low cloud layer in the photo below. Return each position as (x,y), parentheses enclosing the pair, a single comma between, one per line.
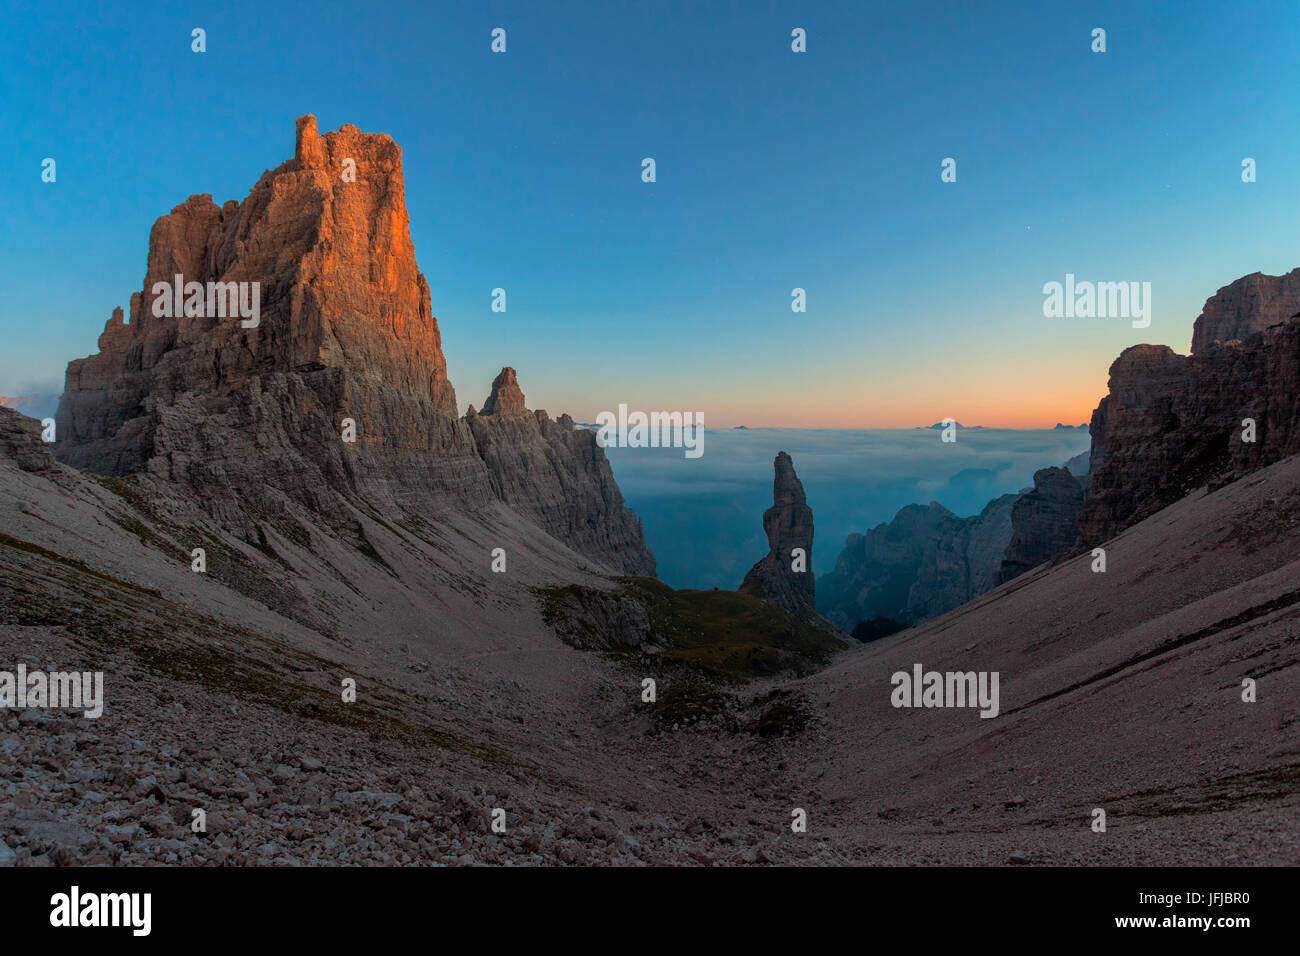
(703,517)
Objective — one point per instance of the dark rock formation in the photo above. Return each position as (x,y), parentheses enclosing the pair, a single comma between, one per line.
(789,526)
(506,398)
(1170,424)
(1173,423)
(245,424)
(599,620)
(925,562)
(1080,466)
(20,441)
(962,564)
(559,477)
(875,629)
(1249,305)
(874,574)
(1044,522)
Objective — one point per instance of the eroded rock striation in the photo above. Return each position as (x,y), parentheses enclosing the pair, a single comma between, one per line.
(245,420)
(923,563)
(1044,522)
(789,527)
(1173,423)
(20,441)
(927,561)
(1251,304)
(507,397)
(558,476)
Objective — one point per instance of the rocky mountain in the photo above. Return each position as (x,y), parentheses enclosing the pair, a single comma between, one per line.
(1172,423)
(1169,425)
(789,527)
(1251,304)
(1044,522)
(958,566)
(1080,467)
(767,626)
(874,573)
(334,398)
(924,562)
(1110,683)
(20,443)
(558,476)
(465,703)
(331,561)
(927,561)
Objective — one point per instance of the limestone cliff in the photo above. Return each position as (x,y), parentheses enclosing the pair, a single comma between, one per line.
(924,562)
(20,441)
(784,575)
(1251,304)
(558,476)
(1044,522)
(1172,423)
(247,420)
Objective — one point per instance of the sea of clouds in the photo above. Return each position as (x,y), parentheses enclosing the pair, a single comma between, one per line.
(704,517)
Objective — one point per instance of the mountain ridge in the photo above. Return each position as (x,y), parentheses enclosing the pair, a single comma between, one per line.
(338,395)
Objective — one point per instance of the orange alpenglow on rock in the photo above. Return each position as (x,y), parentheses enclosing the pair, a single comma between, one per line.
(246,420)
(339,283)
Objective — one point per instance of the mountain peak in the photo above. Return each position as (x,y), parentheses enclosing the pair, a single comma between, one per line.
(784,577)
(333,389)
(506,398)
(1247,305)
(307,137)
(322,244)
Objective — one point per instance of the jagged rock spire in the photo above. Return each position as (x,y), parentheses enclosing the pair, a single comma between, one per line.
(785,575)
(506,397)
(248,422)
(339,290)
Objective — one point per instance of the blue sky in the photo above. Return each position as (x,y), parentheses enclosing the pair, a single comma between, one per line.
(775,170)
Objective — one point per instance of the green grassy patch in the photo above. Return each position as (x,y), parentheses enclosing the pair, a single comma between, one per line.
(732,635)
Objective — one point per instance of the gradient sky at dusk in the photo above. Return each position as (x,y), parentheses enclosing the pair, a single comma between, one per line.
(775,170)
